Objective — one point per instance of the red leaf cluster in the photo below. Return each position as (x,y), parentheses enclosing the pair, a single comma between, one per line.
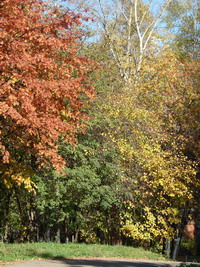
(42,79)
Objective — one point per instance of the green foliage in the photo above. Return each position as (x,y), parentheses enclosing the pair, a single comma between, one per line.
(79,200)
(188,247)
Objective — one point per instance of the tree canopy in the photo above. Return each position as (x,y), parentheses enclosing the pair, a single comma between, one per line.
(117,115)
(44,83)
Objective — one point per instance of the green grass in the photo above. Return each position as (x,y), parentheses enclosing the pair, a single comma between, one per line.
(13,252)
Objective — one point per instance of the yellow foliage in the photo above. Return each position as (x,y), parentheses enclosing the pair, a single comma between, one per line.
(151,147)
(14,174)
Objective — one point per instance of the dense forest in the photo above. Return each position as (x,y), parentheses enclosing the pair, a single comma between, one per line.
(100,122)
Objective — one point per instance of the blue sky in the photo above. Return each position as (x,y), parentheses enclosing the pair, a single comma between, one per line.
(156,4)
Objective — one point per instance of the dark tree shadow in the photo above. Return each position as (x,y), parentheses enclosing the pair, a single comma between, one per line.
(101,262)
(111,263)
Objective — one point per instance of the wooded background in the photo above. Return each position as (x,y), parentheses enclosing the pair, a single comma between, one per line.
(99,123)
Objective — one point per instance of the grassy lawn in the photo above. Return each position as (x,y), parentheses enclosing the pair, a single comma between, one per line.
(13,252)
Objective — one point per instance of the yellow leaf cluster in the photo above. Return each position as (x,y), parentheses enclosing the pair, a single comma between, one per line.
(17,175)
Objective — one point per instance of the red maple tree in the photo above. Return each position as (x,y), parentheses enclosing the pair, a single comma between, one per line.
(44,84)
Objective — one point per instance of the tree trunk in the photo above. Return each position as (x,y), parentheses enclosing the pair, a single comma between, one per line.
(167,249)
(176,248)
(58,235)
(47,235)
(197,235)
(7,210)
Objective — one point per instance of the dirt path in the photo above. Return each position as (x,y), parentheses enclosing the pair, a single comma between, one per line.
(91,263)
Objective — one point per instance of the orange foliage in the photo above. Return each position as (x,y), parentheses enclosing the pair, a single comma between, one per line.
(41,77)
(189,231)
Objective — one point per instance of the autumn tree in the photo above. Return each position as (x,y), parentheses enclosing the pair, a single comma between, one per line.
(130,29)
(81,204)
(148,129)
(44,85)
(183,20)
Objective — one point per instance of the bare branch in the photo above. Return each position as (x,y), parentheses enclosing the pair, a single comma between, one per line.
(144,14)
(154,24)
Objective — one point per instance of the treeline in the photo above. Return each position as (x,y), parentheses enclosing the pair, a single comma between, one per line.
(99,139)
